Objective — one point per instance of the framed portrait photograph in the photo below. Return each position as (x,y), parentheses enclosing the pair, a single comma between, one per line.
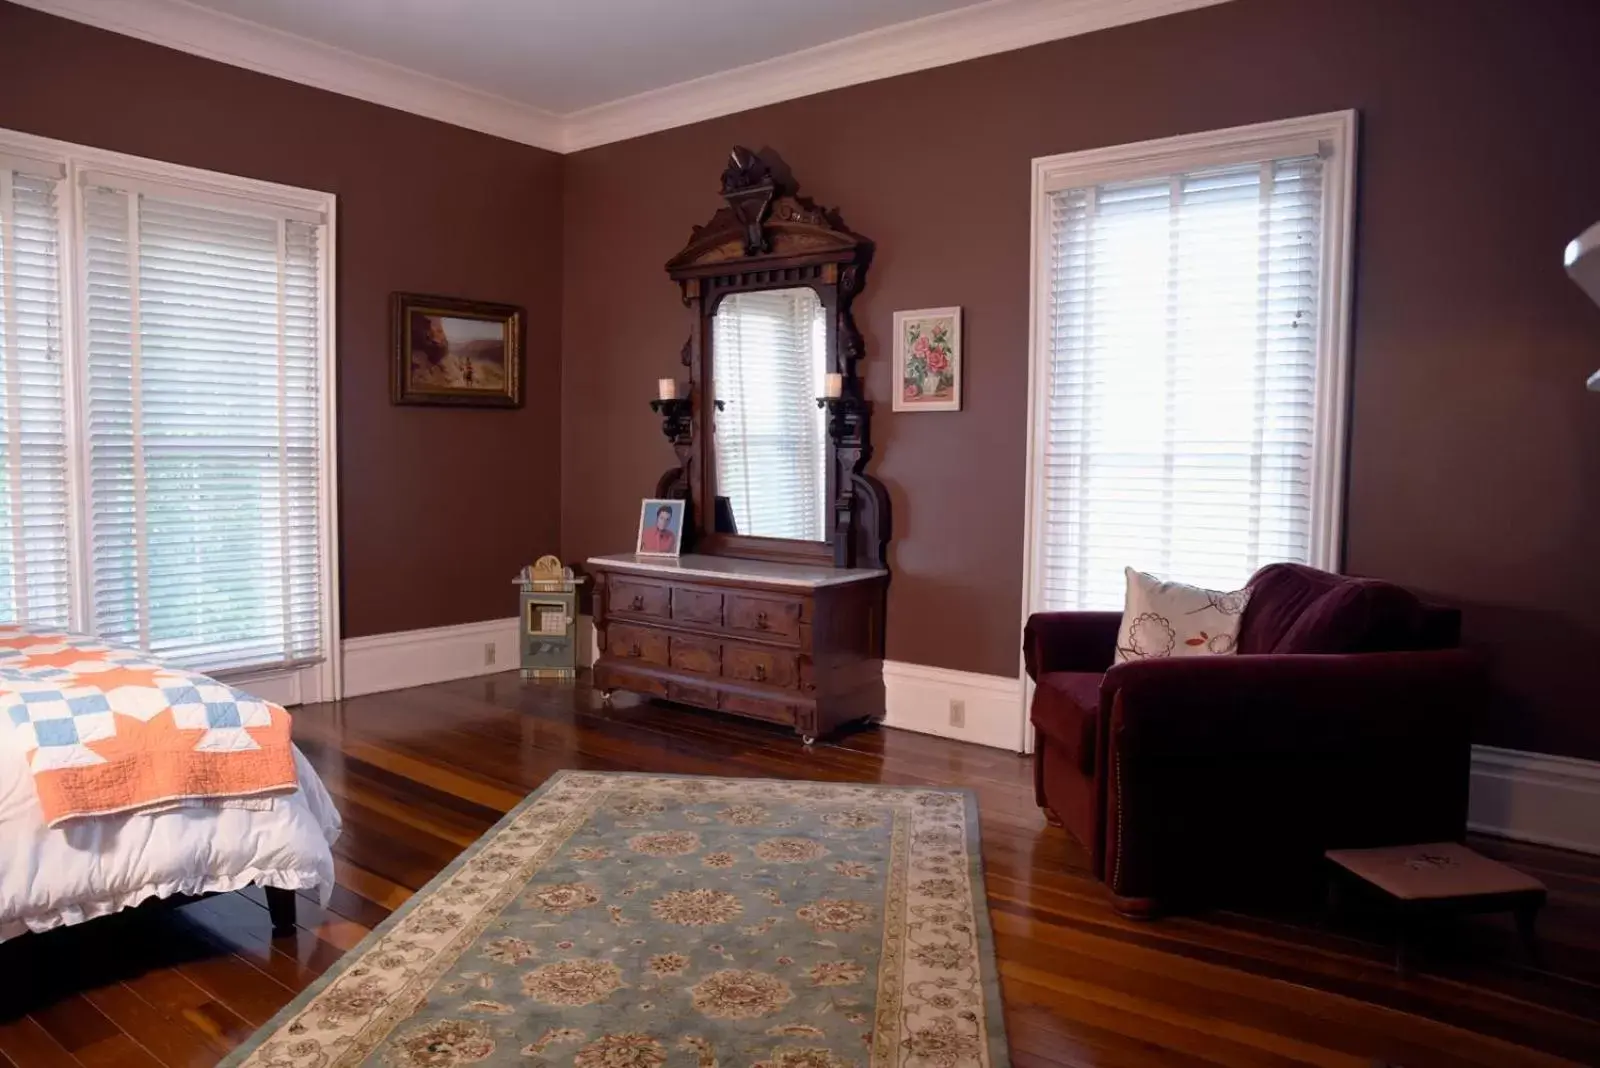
(457,352)
(927,360)
(660,527)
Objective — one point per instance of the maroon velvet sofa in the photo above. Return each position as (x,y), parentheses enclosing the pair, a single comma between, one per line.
(1344,721)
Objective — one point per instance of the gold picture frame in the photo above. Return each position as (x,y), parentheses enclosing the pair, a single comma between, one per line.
(449,351)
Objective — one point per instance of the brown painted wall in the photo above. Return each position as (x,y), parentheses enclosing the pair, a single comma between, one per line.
(439,508)
(1474,452)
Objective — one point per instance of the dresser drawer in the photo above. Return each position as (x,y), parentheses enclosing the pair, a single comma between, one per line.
(759,708)
(640,599)
(637,643)
(699,696)
(703,656)
(621,679)
(749,663)
(761,615)
(700,607)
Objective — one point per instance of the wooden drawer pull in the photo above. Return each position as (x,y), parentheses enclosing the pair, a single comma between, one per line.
(761,673)
(637,604)
(634,651)
(761,621)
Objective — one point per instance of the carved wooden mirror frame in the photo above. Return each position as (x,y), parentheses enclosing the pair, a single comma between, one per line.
(768,238)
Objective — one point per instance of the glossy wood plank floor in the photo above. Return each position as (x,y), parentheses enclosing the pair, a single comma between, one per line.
(419,774)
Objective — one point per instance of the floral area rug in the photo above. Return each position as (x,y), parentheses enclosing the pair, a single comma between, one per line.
(644,921)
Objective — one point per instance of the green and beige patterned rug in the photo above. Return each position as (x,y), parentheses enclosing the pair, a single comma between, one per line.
(651,921)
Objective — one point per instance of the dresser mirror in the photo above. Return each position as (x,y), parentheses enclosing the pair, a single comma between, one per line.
(769,359)
(773,440)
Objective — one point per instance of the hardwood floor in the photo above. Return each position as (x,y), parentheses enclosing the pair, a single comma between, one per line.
(420,774)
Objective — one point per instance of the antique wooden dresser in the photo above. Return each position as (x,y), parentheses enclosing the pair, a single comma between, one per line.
(790,644)
(777,610)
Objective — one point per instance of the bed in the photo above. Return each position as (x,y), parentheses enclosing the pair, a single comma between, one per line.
(58,871)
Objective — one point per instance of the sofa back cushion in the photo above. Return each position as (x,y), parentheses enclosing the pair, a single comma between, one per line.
(1297,609)
(1279,593)
(1357,616)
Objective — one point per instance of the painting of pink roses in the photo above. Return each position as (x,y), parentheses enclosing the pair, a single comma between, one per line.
(927,360)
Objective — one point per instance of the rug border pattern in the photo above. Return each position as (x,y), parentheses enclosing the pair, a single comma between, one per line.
(589,790)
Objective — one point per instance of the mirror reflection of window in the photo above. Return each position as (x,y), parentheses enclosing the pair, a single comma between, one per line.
(769,356)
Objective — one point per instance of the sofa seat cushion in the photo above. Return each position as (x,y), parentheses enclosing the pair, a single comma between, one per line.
(1066,710)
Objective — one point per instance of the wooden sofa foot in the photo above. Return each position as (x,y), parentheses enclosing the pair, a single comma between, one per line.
(1136,908)
(280,906)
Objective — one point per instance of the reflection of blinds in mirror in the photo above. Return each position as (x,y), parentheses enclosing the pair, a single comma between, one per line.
(769,351)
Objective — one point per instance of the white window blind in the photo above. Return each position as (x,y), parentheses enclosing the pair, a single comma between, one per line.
(201,428)
(35,539)
(1178,432)
(769,349)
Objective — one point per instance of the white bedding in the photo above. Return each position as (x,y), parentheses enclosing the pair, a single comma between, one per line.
(50,878)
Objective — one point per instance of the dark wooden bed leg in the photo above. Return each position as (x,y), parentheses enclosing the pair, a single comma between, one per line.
(280,906)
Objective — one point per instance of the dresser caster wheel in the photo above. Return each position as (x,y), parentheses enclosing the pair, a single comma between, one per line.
(808,740)
(605,696)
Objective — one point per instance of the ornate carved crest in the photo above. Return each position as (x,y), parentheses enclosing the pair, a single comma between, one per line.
(748,186)
(762,227)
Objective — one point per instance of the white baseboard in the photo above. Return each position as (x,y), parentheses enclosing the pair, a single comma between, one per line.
(438,654)
(918,698)
(1534,797)
(1531,797)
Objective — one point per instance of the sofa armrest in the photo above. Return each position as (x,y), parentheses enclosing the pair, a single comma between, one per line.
(1069,641)
(1286,703)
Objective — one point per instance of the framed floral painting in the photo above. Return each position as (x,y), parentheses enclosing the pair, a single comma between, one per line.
(927,360)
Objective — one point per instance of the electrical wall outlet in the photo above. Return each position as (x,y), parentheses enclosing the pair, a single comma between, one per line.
(958,713)
(488,654)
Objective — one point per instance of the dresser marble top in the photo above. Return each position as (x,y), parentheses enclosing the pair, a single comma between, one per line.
(726,567)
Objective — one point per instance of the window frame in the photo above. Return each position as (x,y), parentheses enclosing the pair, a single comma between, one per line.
(1333,134)
(318,681)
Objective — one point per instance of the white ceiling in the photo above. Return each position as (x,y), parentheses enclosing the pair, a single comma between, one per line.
(566,55)
(569,74)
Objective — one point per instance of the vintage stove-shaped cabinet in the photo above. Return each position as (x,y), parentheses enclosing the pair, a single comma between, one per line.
(548,620)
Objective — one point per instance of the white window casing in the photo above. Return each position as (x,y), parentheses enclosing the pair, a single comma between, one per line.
(1188,360)
(166,386)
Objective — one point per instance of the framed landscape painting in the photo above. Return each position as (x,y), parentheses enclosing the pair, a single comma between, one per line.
(460,352)
(927,360)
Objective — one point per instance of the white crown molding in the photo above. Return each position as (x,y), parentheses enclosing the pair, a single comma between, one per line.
(937,40)
(241,43)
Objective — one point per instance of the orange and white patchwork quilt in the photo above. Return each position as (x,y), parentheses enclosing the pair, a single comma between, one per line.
(107,730)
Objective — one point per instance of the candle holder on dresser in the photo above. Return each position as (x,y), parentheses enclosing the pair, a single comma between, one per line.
(777,612)
(675,415)
(847,420)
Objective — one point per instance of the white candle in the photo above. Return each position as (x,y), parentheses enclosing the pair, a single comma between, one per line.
(667,388)
(833,386)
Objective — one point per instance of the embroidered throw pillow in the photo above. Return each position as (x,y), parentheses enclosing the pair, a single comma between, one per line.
(1170,619)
